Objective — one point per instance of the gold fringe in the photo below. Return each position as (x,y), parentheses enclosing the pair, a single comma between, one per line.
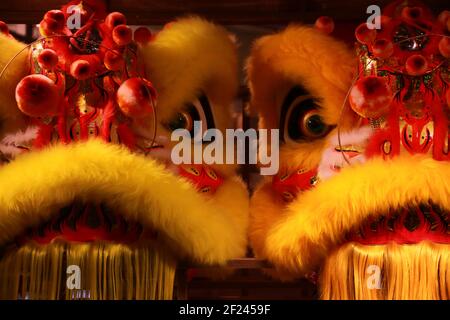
(419,271)
(108,271)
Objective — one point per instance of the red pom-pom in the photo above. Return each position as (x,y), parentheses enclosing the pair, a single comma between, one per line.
(53,23)
(47,28)
(416,65)
(135,97)
(385,20)
(444,18)
(412,13)
(4,28)
(114,61)
(444,47)
(142,35)
(325,24)
(370,97)
(115,19)
(37,96)
(47,59)
(382,48)
(81,69)
(56,15)
(122,35)
(365,35)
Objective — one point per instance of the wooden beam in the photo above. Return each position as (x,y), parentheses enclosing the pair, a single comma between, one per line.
(256,12)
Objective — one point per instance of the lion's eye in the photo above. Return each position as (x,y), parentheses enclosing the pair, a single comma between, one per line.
(186,117)
(184,120)
(304,122)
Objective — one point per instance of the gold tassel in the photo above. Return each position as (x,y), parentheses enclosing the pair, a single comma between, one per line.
(108,271)
(393,271)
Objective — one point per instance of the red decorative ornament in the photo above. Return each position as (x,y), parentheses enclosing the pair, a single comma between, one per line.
(38,96)
(325,24)
(4,28)
(370,97)
(142,35)
(76,75)
(48,59)
(122,35)
(53,23)
(365,35)
(404,89)
(287,186)
(416,65)
(444,17)
(204,178)
(114,60)
(81,69)
(115,19)
(412,13)
(385,20)
(56,16)
(135,97)
(444,47)
(382,48)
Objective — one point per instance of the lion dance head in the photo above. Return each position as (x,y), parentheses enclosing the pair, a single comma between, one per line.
(86,120)
(362,195)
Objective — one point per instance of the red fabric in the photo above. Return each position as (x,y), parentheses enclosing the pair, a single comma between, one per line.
(87,223)
(203,178)
(288,186)
(399,233)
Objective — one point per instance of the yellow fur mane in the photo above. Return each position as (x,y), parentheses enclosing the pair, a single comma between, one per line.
(204,229)
(316,222)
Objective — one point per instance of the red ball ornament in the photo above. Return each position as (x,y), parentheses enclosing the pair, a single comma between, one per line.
(384,20)
(4,28)
(47,28)
(81,69)
(56,15)
(113,60)
(142,35)
(53,23)
(47,59)
(325,24)
(115,19)
(444,18)
(135,97)
(444,47)
(412,13)
(370,97)
(416,65)
(38,96)
(122,35)
(365,35)
(382,48)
